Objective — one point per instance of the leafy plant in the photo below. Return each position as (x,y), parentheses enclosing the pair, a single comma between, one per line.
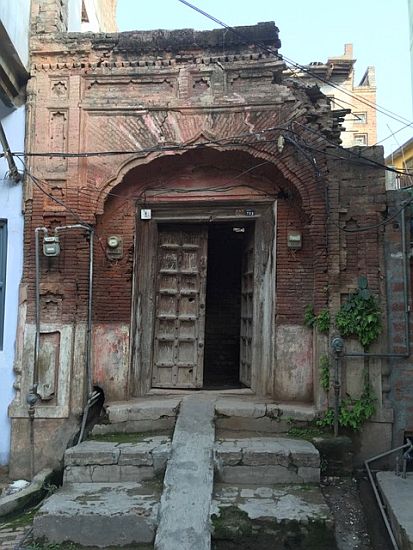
(360,315)
(309,316)
(352,412)
(321,321)
(324,373)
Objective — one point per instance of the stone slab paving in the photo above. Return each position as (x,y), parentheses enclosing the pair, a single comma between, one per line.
(143,410)
(13,538)
(99,461)
(397,494)
(257,516)
(140,415)
(100,514)
(265,460)
(243,415)
(188,483)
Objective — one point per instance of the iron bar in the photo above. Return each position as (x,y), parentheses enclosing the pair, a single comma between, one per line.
(376,492)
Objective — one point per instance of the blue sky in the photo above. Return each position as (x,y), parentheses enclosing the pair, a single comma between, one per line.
(310,31)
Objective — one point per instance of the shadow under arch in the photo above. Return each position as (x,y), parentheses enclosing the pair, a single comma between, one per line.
(205,176)
(255,169)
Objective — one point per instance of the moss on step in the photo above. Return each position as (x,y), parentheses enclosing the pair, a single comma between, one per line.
(233,529)
(231,523)
(19,519)
(134,437)
(41,545)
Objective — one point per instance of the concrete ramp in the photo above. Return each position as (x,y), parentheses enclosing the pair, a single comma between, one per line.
(185,504)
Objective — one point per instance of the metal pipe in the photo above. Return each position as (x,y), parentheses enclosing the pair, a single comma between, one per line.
(37,305)
(90,396)
(405,282)
(381,508)
(337,386)
(91,401)
(89,383)
(89,317)
(406,456)
(376,493)
(14,173)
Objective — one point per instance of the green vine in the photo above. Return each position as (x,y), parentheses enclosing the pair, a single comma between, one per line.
(320,321)
(324,373)
(353,413)
(360,315)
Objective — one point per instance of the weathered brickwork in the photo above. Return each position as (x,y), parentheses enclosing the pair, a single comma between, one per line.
(188,124)
(399,372)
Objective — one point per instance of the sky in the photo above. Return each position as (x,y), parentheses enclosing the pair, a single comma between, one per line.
(311,30)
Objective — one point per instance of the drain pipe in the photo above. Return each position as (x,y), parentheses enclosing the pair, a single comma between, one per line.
(337,345)
(91,396)
(32,396)
(376,492)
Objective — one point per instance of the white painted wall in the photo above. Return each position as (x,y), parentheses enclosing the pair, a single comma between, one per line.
(10,209)
(93,25)
(15,16)
(74,16)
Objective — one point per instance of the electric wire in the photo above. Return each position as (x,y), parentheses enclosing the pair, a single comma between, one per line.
(37,182)
(362,229)
(160,190)
(236,140)
(298,66)
(155,149)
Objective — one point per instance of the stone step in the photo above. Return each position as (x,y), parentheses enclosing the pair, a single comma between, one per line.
(140,415)
(100,514)
(266,460)
(271,518)
(101,461)
(241,415)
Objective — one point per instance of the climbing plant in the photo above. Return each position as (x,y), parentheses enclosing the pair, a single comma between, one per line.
(324,373)
(352,412)
(360,316)
(320,321)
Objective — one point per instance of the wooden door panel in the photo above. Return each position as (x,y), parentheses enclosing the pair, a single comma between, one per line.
(180,307)
(247,313)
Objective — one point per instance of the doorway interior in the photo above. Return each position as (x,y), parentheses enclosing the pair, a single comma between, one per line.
(203,306)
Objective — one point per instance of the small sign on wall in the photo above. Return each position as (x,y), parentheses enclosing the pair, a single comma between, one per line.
(146,213)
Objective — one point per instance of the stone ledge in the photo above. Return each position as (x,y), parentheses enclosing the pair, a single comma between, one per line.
(100,514)
(33,493)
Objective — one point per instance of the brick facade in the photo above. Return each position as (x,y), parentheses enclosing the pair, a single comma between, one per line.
(189,124)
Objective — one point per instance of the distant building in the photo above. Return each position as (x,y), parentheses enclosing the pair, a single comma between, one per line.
(402,160)
(92,16)
(360,126)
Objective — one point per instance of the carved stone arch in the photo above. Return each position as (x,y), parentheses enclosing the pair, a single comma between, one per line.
(297,178)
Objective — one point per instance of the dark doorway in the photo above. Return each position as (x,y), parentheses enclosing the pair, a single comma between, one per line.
(226,244)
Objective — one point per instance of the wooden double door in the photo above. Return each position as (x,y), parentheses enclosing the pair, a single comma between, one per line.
(172,273)
(181,305)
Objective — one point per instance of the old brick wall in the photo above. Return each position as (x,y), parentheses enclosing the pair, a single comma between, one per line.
(399,370)
(182,120)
